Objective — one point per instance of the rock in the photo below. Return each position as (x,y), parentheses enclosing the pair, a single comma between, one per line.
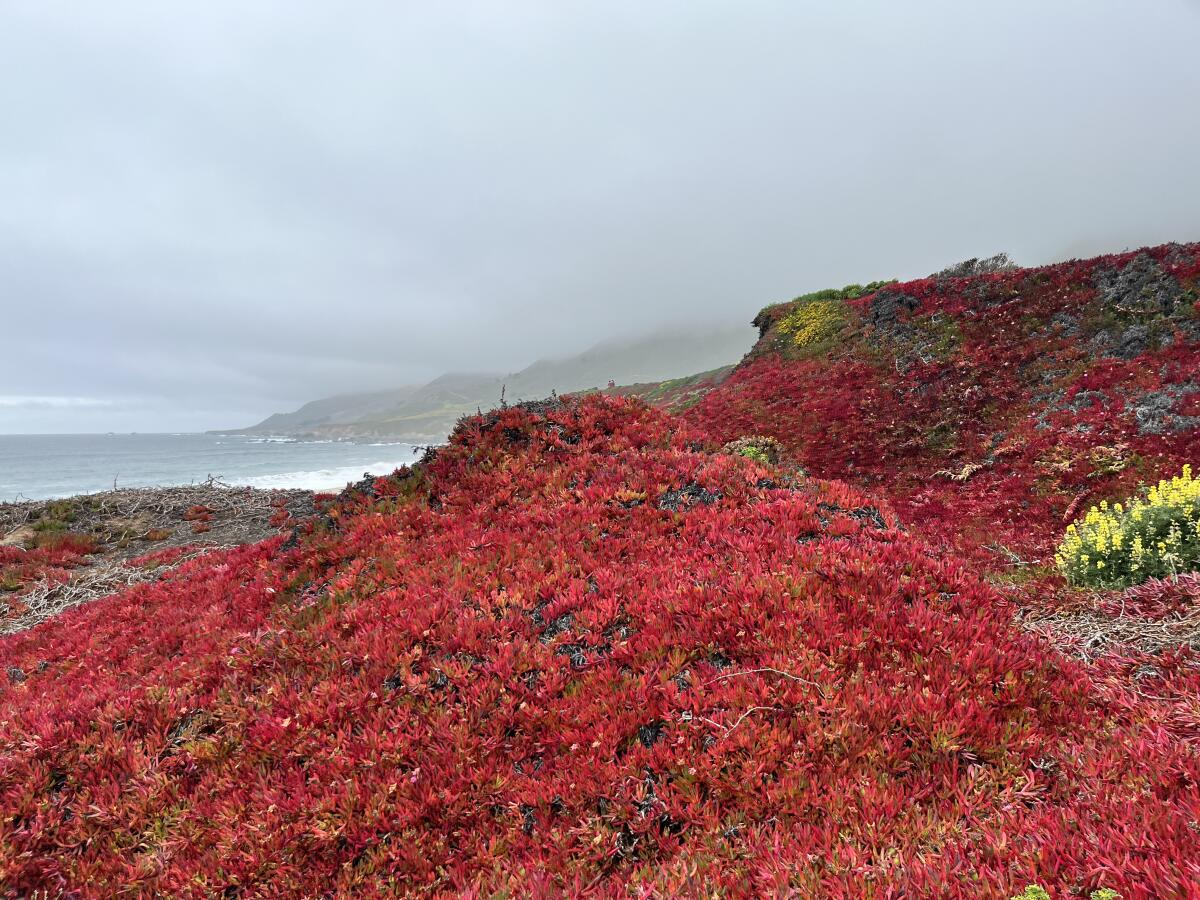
(1155,413)
(886,307)
(1133,342)
(684,497)
(1142,286)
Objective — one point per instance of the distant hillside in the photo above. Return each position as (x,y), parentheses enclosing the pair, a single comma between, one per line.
(332,411)
(428,412)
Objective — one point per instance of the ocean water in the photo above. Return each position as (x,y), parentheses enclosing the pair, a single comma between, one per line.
(36,467)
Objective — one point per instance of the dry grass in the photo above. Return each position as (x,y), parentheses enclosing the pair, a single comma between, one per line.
(1089,634)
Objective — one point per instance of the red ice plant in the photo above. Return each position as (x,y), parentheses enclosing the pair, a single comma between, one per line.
(990,410)
(577,651)
(51,559)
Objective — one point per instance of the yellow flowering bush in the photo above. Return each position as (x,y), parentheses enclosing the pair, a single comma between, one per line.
(1154,536)
(1037,892)
(814,321)
(817,316)
(1032,892)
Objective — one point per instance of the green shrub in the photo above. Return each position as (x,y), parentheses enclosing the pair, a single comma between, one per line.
(756,454)
(761,449)
(849,292)
(55,516)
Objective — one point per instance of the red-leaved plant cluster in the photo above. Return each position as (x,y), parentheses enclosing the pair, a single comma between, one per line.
(991,410)
(578,651)
(51,562)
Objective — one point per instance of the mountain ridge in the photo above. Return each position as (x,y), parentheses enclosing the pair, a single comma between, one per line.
(426,413)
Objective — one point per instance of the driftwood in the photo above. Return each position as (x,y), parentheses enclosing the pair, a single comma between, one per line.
(1088,634)
(129,523)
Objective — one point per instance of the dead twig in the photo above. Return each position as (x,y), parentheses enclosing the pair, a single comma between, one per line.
(1011,556)
(688,716)
(743,716)
(820,690)
(961,475)
(1088,633)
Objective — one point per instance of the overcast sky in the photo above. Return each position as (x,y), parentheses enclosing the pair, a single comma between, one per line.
(212,211)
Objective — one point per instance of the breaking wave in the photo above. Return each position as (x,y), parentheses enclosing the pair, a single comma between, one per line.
(323,479)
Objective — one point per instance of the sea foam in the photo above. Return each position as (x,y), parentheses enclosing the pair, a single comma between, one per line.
(322,479)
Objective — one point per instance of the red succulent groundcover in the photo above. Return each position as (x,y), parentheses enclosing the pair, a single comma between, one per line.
(994,408)
(579,651)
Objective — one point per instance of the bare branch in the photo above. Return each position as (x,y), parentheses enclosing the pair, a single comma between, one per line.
(131,522)
(820,690)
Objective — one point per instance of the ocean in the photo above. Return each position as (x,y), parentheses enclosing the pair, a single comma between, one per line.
(37,467)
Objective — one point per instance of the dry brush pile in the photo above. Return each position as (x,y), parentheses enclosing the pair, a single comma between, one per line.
(55,554)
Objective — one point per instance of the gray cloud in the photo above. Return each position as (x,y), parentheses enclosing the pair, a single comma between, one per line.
(17,401)
(216,210)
